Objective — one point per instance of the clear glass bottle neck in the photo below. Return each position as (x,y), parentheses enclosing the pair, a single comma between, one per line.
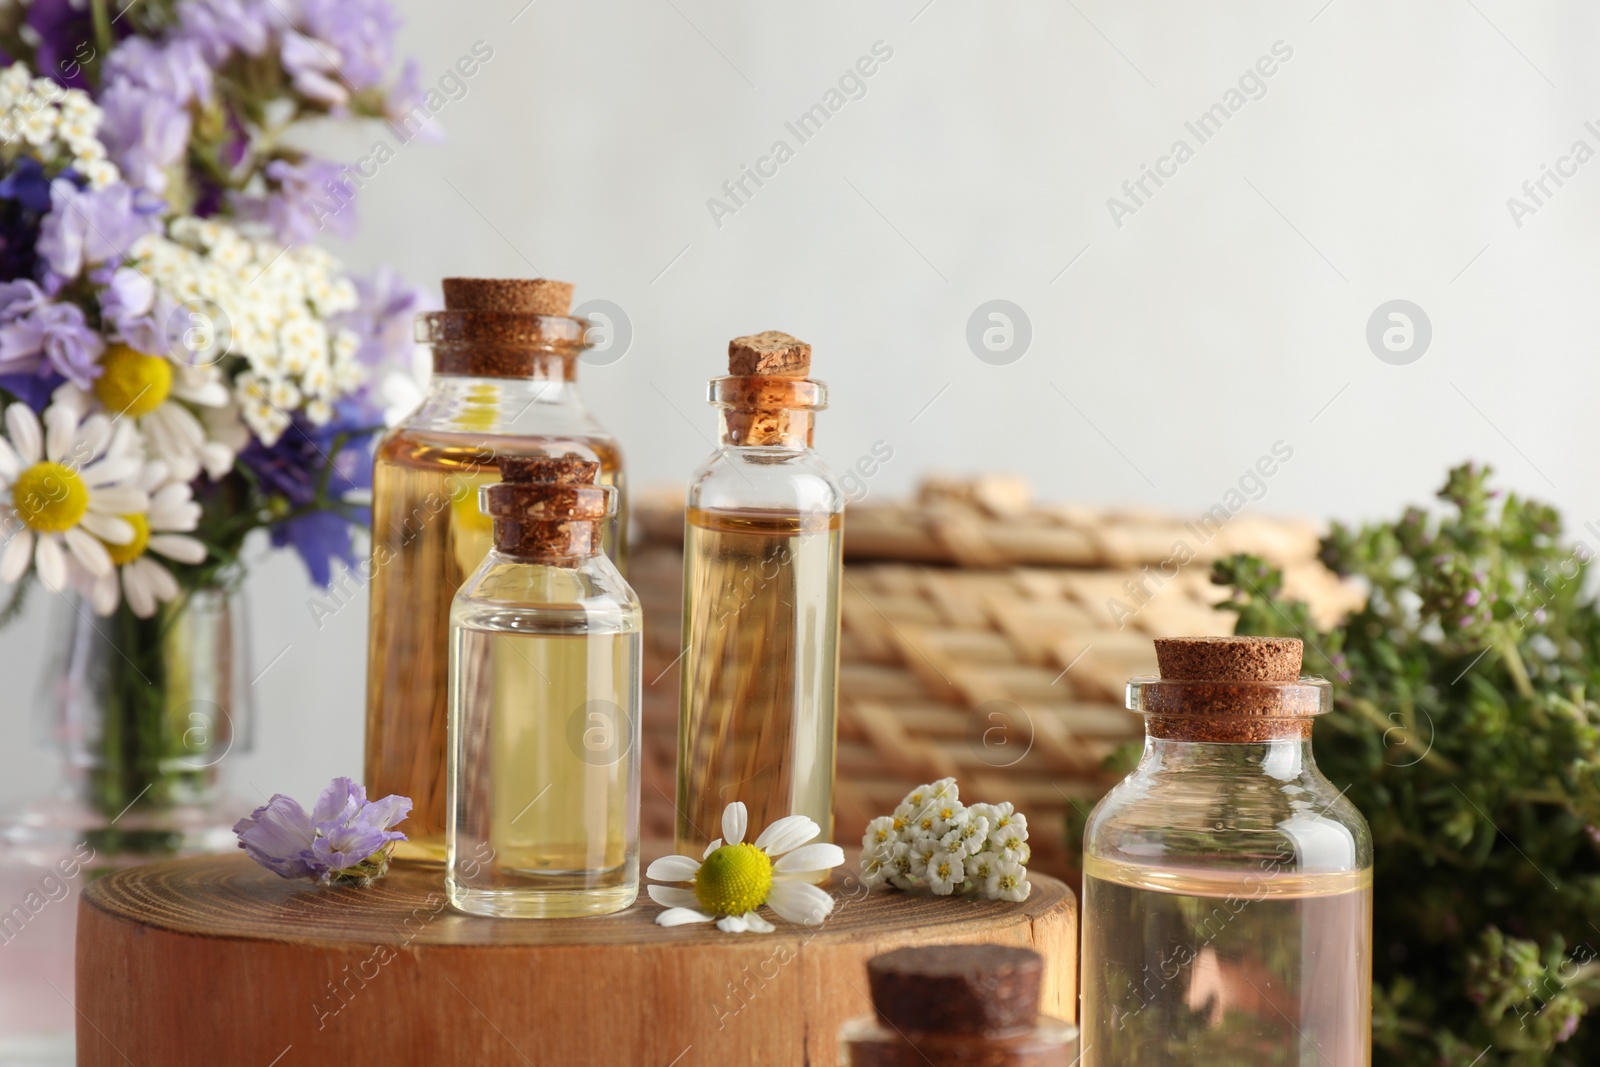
(789,429)
(1282,759)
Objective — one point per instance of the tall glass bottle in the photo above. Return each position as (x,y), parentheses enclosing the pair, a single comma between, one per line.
(759,682)
(505,355)
(545,640)
(1227,889)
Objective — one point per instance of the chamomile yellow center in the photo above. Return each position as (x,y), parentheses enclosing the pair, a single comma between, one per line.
(733,880)
(131,551)
(132,383)
(50,498)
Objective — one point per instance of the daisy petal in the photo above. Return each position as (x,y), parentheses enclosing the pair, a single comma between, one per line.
(90,553)
(178,547)
(111,470)
(735,924)
(734,821)
(25,433)
(787,833)
(815,857)
(682,916)
(712,848)
(160,580)
(109,528)
(14,564)
(141,598)
(800,902)
(673,869)
(756,924)
(51,564)
(105,595)
(59,426)
(118,500)
(10,462)
(671,897)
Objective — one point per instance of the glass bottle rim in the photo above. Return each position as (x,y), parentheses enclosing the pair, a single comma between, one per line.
(762,392)
(1173,698)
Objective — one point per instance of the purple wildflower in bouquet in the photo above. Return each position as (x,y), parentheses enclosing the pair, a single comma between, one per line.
(179,365)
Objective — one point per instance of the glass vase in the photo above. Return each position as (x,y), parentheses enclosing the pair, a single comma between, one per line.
(142,713)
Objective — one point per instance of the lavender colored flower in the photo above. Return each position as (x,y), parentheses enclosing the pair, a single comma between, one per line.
(383,318)
(361,31)
(52,337)
(90,226)
(313,69)
(221,27)
(306,198)
(278,835)
(27,185)
(344,837)
(136,312)
(145,132)
(176,69)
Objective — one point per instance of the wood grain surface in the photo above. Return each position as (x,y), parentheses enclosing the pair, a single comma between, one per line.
(218,961)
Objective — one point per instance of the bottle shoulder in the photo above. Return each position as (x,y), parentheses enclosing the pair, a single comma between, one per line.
(782,479)
(1298,822)
(513,595)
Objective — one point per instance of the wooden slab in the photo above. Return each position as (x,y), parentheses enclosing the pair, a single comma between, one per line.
(218,961)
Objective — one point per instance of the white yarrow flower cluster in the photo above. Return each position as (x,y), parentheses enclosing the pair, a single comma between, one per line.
(267,305)
(57,124)
(933,839)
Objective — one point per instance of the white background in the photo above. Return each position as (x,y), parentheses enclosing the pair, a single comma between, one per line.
(1227,314)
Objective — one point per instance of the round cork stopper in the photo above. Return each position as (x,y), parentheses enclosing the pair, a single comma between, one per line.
(519,296)
(1230,659)
(985,990)
(770,354)
(547,507)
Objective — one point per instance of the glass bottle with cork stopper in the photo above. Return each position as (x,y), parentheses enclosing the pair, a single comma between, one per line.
(759,674)
(1227,898)
(545,640)
(957,1006)
(505,356)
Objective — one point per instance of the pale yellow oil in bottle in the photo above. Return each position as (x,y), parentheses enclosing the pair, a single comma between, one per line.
(1207,968)
(760,670)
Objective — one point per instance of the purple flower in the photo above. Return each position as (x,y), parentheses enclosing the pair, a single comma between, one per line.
(176,70)
(27,185)
(313,68)
(90,226)
(65,32)
(362,32)
(51,337)
(306,197)
(145,132)
(387,306)
(292,470)
(278,835)
(136,313)
(344,836)
(220,27)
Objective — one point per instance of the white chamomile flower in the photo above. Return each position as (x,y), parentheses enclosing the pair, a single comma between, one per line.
(68,482)
(1011,839)
(733,879)
(946,872)
(899,866)
(161,531)
(968,835)
(880,832)
(945,789)
(157,394)
(1008,881)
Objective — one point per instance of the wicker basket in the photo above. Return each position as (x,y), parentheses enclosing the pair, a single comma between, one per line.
(981,639)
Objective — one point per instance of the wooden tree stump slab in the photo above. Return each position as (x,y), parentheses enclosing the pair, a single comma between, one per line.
(216,960)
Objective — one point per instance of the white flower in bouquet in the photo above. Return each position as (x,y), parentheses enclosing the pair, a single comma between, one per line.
(933,839)
(69,483)
(161,531)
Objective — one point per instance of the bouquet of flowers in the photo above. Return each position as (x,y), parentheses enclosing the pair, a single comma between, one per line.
(179,367)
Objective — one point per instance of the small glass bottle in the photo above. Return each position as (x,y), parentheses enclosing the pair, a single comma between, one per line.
(957,1006)
(545,641)
(759,676)
(1227,885)
(505,355)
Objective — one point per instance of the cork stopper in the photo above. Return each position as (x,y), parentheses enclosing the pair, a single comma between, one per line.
(770,354)
(518,296)
(1229,659)
(1229,690)
(504,328)
(976,990)
(547,508)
